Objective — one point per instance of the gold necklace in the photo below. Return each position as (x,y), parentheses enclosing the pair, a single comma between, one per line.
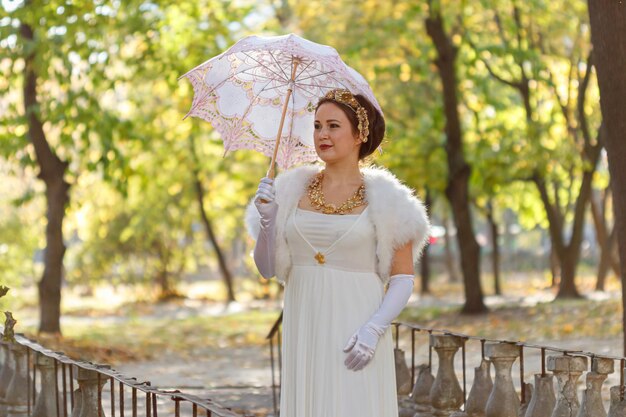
(316,197)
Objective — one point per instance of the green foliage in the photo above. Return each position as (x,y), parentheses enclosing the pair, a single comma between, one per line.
(17,253)
(112,107)
(21,228)
(387,43)
(545,44)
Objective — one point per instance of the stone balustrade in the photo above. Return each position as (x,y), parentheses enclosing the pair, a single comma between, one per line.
(557,391)
(36,382)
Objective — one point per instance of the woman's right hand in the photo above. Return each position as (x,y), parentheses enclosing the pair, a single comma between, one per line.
(265,200)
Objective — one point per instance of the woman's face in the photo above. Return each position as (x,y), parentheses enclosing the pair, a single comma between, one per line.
(333,135)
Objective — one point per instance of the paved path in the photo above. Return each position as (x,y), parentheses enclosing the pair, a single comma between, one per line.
(239,378)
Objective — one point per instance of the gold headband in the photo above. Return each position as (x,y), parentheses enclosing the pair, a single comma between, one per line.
(344,96)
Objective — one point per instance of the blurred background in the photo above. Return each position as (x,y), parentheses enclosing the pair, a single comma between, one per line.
(121,225)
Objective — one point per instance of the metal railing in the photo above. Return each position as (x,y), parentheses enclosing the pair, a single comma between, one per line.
(37,382)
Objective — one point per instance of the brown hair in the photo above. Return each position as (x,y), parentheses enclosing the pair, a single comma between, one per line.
(376,123)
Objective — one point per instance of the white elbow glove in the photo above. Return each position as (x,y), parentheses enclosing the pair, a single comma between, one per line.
(362,344)
(265,248)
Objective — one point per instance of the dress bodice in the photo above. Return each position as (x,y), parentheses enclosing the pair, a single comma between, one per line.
(346,241)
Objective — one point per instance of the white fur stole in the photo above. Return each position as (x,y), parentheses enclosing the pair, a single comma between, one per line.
(398,216)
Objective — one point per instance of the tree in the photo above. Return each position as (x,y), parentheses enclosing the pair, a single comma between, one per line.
(605,236)
(46,58)
(564,183)
(459,170)
(608,35)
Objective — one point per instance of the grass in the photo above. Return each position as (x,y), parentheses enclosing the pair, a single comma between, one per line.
(534,315)
(142,338)
(558,320)
(114,325)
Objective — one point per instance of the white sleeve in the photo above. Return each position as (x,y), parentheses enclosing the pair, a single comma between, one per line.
(394,301)
(265,249)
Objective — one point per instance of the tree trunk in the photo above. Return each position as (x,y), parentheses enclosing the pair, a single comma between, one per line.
(608,35)
(208,227)
(51,171)
(591,156)
(163,282)
(602,238)
(450,259)
(457,189)
(614,251)
(606,240)
(425,261)
(568,254)
(567,286)
(555,266)
(161,278)
(571,253)
(495,257)
(603,270)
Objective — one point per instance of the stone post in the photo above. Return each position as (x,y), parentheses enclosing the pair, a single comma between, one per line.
(503,400)
(5,376)
(17,393)
(592,405)
(446,395)
(543,400)
(421,391)
(6,373)
(406,405)
(406,408)
(89,387)
(403,375)
(46,404)
(479,394)
(618,407)
(567,370)
(528,397)
(78,403)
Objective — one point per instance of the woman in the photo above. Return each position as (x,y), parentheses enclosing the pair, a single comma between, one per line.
(335,237)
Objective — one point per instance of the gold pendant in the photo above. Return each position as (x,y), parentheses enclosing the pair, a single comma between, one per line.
(319,257)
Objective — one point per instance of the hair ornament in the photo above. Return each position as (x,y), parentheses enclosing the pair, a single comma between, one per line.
(343,96)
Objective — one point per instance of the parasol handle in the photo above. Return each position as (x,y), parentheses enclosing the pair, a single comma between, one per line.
(271,172)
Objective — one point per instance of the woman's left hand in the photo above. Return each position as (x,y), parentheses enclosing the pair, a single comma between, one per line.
(361,346)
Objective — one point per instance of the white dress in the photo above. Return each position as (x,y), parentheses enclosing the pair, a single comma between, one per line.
(324,305)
